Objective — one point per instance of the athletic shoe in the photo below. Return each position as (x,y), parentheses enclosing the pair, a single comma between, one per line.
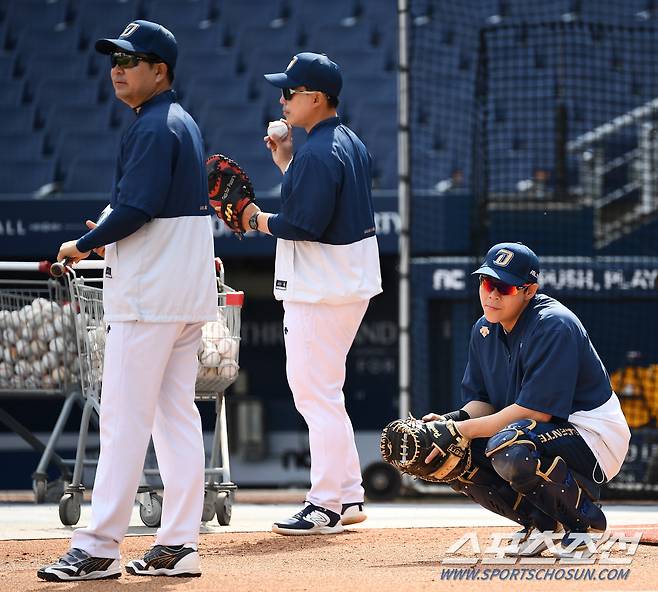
(352,514)
(77,564)
(583,543)
(311,519)
(172,560)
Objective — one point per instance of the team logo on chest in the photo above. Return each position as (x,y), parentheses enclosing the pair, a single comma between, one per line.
(503,257)
(484,331)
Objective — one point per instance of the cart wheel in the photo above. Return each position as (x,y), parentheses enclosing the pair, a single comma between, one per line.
(223,506)
(151,517)
(381,482)
(209,501)
(69,509)
(40,488)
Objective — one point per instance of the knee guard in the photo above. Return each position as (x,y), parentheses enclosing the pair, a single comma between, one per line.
(492,493)
(547,483)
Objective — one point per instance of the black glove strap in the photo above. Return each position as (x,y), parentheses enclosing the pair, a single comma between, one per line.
(458,415)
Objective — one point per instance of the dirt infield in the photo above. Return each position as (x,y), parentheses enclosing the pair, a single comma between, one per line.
(357,560)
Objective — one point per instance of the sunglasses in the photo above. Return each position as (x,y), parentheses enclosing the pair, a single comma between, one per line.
(489,284)
(128,60)
(288,93)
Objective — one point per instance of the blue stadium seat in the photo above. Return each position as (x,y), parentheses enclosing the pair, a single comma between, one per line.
(26,176)
(73,144)
(216,90)
(174,13)
(65,91)
(254,12)
(327,38)
(312,13)
(35,39)
(264,174)
(11,93)
(248,119)
(376,109)
(39,13)
(369,62)
(7,63)
(116,14)
(90,175)
(17,119)
(82,118)
(251,36)
(198,38)
(261,60)
(384,14)
(21,146)
(386,172)
(38,66)
(239,144)
(196,64)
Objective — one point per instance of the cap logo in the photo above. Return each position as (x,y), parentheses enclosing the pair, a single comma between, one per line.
(503,258)
(484,331)
(292,63)
(129,30)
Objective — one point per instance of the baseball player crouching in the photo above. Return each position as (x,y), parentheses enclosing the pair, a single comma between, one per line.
(159,230)
(546,428)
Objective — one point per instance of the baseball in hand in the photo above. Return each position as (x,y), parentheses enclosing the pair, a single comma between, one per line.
(277,130)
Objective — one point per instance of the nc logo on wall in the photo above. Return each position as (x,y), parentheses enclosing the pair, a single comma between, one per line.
(503,257)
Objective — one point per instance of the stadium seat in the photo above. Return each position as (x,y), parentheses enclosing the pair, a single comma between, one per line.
(248,37)
(326,38)
(239,144)
(261,60)
(73,144)
(36,13)
(237,116)
(17,119)
(264,174)
(199,64)
(175,13)
(198,38)
(64,91)
(81,118)
(21,146)
(26,176)
(254,12)
(36,39)
(90,175)
(11,93)
(216,90)
(116,15)
(37,66)
(311,13)
(369,62)
(7,64)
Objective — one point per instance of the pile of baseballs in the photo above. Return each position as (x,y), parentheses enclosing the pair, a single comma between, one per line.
(218,350)
(38,349)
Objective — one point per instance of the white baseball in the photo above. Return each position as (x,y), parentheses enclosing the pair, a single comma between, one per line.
(224,347)
(59,374)
(50,360)
(5,319)
(23,368)
(47,381)
(26,332)
(9,335)
(57,345)
(38,348)
(37,368)
(228,369)
(277,130)
(206,372)
(15,320)
(6,370)
(58,324)
(46,332)
(10,354)
(233,351)
(210,356)
(23,348)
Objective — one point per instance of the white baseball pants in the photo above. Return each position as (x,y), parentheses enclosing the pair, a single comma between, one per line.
(148,388)
(318,338)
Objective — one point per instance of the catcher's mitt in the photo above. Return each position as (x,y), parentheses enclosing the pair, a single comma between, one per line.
(406,443)
(229,190)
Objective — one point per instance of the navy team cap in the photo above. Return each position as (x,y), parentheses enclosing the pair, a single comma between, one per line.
(315,71)
(512,263)
(143,37)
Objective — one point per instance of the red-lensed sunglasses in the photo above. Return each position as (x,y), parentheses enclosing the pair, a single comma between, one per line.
(489,283)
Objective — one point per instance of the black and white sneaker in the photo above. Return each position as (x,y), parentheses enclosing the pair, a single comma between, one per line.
(77,564)
(352,514)
(160,560)
(311,520)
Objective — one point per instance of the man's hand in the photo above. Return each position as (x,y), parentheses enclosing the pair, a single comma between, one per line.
(100,251)
(281,149)
(69,251)
(432,417)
